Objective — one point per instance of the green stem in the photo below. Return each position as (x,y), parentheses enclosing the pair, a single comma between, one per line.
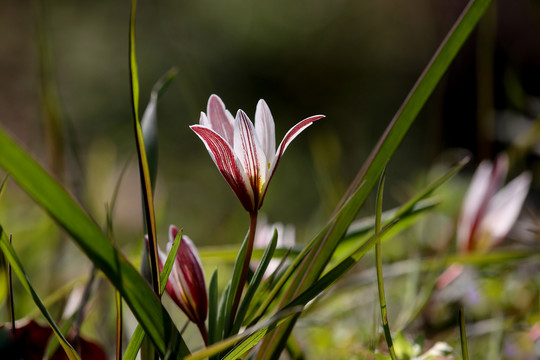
(463,334)
(245,267)
(11,303)
(380,281)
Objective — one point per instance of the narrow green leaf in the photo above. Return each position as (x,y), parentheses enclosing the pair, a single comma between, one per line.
(144,172)
(167,267)
(254,284)
(60,205)
(463,334)
(17,267)
(119,322)
(134,344)
(3,186)
(378,261)
(213,310)
(366,179)
(235,281)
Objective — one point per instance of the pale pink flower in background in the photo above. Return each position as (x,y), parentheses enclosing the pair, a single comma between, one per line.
(244,153)
(490,210)
(263,235)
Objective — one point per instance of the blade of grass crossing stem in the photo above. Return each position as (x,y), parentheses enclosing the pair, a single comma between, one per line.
(60,205)
(254,284)
(380,279)
(367,177)
(149,124)
(17,267)
(138,335)
(144,172)
(463,334)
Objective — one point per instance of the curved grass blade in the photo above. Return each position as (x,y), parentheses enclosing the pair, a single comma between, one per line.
(367,177)
(138,335)
(60,205)
(254,284)
(17,267)
(380,279)
(3,186)
(144,171)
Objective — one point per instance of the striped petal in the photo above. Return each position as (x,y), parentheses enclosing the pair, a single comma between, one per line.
(248,149)
(220,119)
(266,132)
(503,211)
(190,276)
(228,164)
(486,181)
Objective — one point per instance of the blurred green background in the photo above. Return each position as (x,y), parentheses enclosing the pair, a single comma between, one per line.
(354,61)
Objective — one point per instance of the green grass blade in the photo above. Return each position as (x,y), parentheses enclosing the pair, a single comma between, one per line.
(463,334)
(367,177)
(119,322)
(213,310)
(235,281)
(254,284)
(134,344)
(144,171)
(378,262)
(3,185)
(17,267)
(60,205)
(167,267)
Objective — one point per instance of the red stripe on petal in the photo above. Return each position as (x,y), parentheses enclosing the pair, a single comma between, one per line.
(220,119)
(227,163)
(250,153)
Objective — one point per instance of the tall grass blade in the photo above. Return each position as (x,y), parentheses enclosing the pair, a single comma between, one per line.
(326,242)
(463,334)
(144,171)
(380,278)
